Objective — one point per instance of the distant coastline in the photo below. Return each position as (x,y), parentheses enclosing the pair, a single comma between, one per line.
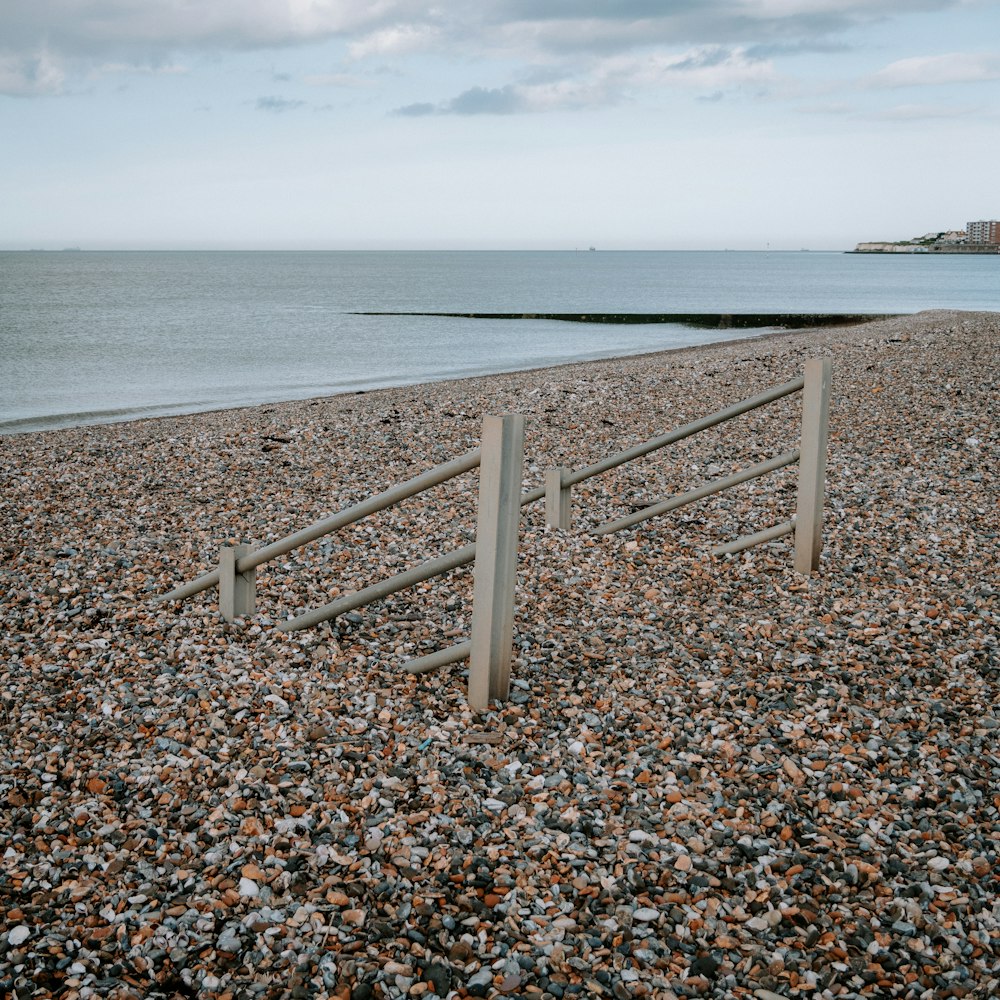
(910,248)
(982,237)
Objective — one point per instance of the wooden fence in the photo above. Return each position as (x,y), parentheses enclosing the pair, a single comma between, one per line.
(500,461)
(811,456)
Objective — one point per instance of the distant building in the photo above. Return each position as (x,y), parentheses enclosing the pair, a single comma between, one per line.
(983,232)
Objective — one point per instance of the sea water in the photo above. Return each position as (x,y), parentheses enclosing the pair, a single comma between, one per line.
(91,337)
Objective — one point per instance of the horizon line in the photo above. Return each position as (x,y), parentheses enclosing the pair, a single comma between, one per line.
(362,249)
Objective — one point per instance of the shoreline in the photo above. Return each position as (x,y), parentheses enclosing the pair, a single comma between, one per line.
(68,421)
(713,778)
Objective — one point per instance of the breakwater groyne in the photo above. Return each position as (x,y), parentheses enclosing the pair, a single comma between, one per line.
(710,321)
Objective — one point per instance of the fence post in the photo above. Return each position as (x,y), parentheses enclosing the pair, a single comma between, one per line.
(558,500)
(500,474)
(812,465)
(237,591)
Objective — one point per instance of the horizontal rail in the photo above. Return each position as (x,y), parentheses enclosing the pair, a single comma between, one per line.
(538,493)
(709,489)
(191,588)
(757,538)
(439,658)
(425,571)
(433,477)
(416,575)
(744,406)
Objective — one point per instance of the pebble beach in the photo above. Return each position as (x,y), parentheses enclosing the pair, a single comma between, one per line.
(714,777)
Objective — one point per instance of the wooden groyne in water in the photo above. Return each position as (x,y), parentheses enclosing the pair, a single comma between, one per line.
(710,321)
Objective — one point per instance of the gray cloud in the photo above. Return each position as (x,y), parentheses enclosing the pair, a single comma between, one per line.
(278,105)
(562,26)
(45,42)
(709,73)
(703,58)
(486,101)
(30,75)
(474,101)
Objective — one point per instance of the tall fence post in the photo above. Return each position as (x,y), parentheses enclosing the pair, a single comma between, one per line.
(558,500)
(237,591)
(500,474)
(812,465)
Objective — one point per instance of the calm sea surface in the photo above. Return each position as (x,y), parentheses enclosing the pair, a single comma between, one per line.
(93,337)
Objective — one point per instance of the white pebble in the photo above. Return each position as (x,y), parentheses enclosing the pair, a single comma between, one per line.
(248,887)
(18,935)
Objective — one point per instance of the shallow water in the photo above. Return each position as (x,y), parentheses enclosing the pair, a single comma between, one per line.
(94,336)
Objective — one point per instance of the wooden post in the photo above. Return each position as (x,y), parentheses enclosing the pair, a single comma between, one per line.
(812,465)
(237,591)
(500,474)
(558,500)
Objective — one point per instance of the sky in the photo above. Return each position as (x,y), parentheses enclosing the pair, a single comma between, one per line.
(495,124)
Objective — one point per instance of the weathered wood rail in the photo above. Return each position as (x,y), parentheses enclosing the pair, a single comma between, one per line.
(500,459)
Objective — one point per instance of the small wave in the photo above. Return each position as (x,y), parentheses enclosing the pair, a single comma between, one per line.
(80,418)
(277,392)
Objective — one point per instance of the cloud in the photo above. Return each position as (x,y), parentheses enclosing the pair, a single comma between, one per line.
(711,73)
(953,67)
(278,105)
(32,75)
(45,43)
(486,101)
(397,40)
(510,99)
(563,26)
(706,68)
(474,101)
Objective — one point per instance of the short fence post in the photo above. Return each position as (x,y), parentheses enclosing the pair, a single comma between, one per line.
(812,465)
(558,500)
(500,474)
(237,591)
